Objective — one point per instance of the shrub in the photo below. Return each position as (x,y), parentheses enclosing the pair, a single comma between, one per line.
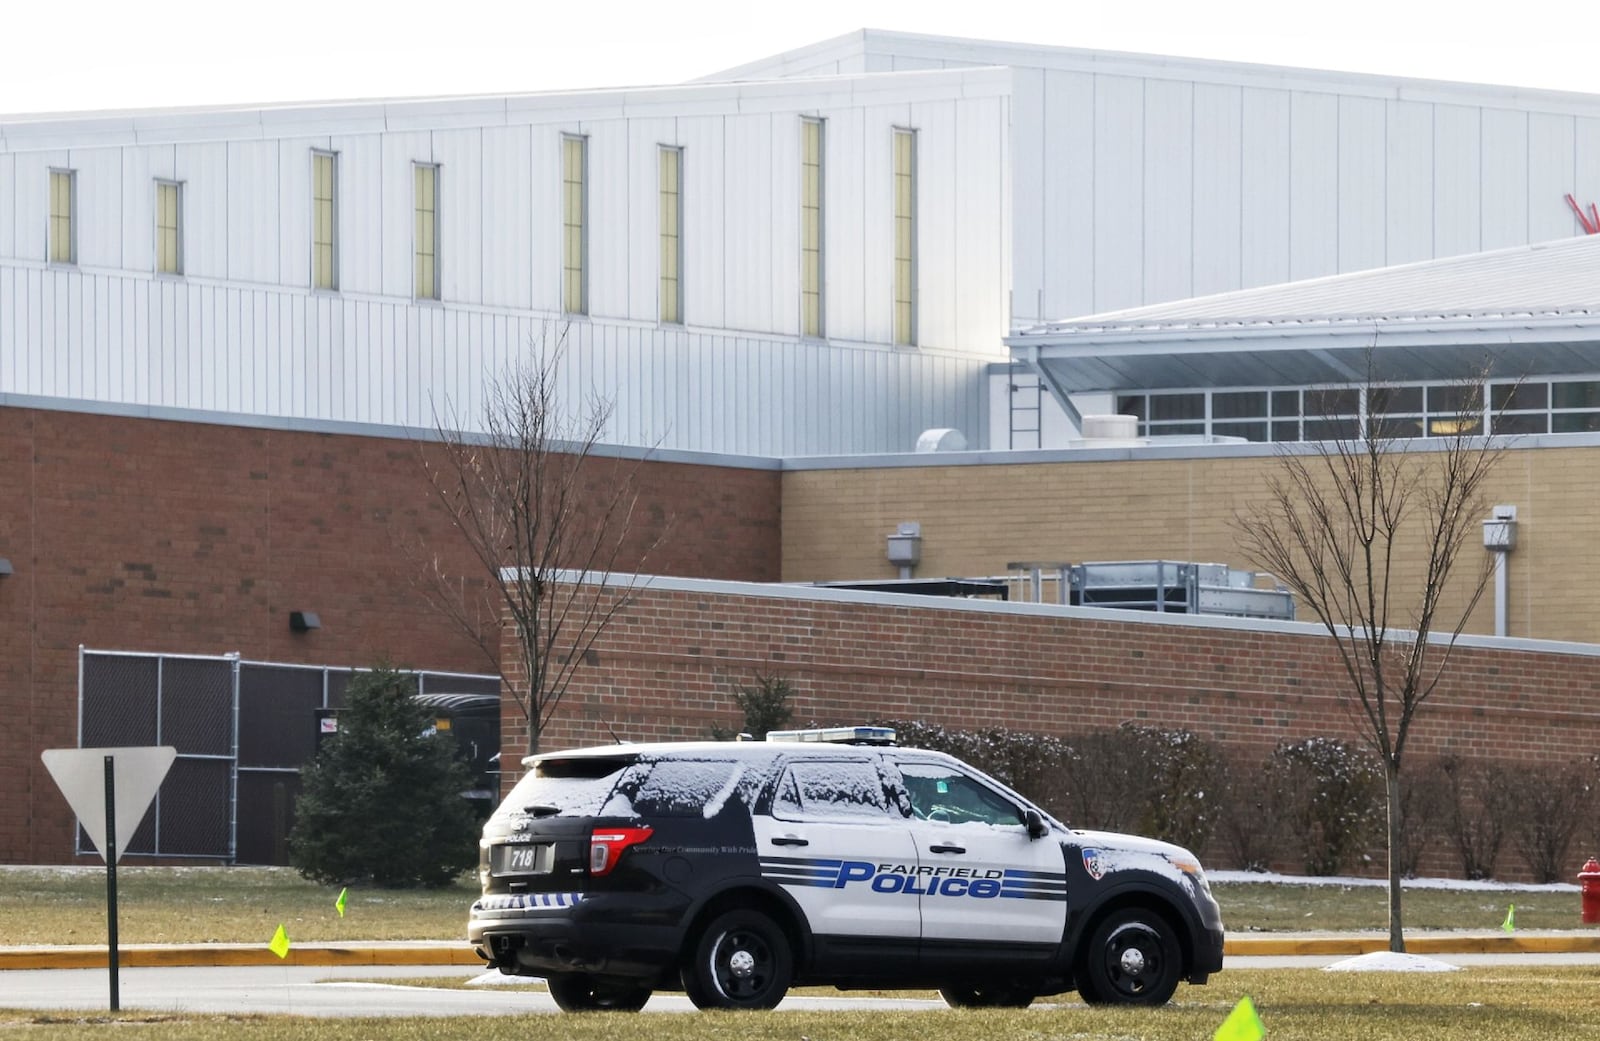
(1249,819)
(1028,762)
(1329,800)
(1477,811)
(1423,799)
(1547,802)
(381,801)
(766,706)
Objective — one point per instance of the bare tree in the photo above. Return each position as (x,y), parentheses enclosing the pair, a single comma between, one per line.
(1367,529)
(549,519)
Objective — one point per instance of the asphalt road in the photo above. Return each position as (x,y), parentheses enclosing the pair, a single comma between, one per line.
(362,992)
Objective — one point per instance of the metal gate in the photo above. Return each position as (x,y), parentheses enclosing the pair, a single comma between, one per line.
(242,731)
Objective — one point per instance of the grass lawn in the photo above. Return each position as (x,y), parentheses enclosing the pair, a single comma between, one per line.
(245,905)
(1534,1003)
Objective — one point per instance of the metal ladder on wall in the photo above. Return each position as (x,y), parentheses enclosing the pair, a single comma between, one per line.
(1026,401)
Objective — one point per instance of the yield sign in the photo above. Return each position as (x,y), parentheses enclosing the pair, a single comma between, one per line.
(80,773)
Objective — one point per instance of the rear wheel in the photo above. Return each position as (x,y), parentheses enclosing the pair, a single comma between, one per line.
(987,995)
(1132,959)
(741,961)
(581,992)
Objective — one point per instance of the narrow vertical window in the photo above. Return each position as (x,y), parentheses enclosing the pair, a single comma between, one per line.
(324,221)
(425,236)
(905,237)
(671,220)
(169,228)
(574,243)
(63,246)
(811,227)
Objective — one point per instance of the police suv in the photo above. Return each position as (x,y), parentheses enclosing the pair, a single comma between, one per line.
(734,870)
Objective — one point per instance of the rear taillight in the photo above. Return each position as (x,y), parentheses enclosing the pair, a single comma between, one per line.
(606,847)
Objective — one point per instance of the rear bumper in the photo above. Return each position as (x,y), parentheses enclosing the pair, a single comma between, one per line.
(637,941)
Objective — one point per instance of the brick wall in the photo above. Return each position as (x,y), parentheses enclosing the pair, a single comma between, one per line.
(667,668)
(150,535)
(978,516)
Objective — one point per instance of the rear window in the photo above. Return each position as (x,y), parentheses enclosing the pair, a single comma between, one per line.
(688,787)
(580,786)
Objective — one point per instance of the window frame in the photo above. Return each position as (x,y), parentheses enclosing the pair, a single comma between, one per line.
(417,166)
(176,271)
(575,280)
(814,262)
(669,245)
(70,259)
(904,333)
(332,286)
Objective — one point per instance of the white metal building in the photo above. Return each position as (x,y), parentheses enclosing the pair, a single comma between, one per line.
(822,252)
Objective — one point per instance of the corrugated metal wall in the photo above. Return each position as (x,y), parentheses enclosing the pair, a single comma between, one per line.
(240,331)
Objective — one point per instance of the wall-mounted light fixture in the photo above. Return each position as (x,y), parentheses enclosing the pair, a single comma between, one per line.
(905,547)
(5,567)
(304,621)
(1500,538)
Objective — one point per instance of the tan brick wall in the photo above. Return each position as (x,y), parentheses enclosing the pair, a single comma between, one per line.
(977,518)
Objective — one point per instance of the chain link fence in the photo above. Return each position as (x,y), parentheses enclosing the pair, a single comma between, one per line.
(242,731)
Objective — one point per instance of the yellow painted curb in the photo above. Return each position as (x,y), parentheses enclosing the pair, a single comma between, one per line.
(203,955)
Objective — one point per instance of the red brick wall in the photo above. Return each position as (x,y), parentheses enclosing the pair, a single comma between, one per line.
(149,535)
(668,666)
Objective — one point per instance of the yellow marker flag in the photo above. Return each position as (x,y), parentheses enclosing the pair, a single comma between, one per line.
(1242,1023)
(339,903)
(280,943)
(1510,924)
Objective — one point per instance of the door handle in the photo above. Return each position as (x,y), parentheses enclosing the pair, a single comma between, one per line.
(941,848)
(789,840)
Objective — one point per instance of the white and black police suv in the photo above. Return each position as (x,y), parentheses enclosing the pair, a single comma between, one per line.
(734,870)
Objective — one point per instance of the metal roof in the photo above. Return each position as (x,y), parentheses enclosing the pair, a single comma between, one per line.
(1527,311)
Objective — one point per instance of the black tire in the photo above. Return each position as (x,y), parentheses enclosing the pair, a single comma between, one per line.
(987,995)
(1132,959)
(581,992)
(742,961)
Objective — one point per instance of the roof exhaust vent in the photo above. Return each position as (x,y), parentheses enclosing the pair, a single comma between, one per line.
(942,439)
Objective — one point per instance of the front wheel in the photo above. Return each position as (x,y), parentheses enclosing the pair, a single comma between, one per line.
(986,995)
(581,992)
(1132,959)
(742,961)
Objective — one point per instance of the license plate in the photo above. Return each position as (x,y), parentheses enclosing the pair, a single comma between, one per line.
(524,860)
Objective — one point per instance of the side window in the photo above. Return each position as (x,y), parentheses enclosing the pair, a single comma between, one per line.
(690,788)
(832,790)
(948,796)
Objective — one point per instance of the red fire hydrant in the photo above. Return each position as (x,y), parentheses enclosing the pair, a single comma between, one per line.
(1589,883)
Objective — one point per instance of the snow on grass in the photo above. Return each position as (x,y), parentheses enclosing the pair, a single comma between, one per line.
(1388,961)
(1459,885)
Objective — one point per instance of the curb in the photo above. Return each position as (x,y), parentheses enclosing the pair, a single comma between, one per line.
(211,955)
(435,954)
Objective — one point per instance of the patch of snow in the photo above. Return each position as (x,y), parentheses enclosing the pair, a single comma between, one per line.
(1388,961)
(496,978)
(1345,881)
(717,801)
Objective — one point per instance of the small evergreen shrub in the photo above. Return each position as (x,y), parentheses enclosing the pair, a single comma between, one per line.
(381,802)
(766,705)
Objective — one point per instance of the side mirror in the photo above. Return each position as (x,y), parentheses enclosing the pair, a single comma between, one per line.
(1037,829)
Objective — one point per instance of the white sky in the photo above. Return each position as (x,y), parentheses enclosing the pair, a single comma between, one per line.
(73,55)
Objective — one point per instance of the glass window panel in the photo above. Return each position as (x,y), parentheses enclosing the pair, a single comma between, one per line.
(1574,422)
(1248,431)
(1584,394)
(1286,403)
(1238,404)
(1512,396)
(1519,423)
(1332,401)
(1394,399)
(323,222)
(1381,425)
(905,236)
(573,214)
(1330,429)
(1131,405)
(1453,398)
(61,245)
(1286,431)
(1166,429)
(1177,406)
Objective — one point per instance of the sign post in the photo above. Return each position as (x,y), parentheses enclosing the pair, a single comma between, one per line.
(110,789)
